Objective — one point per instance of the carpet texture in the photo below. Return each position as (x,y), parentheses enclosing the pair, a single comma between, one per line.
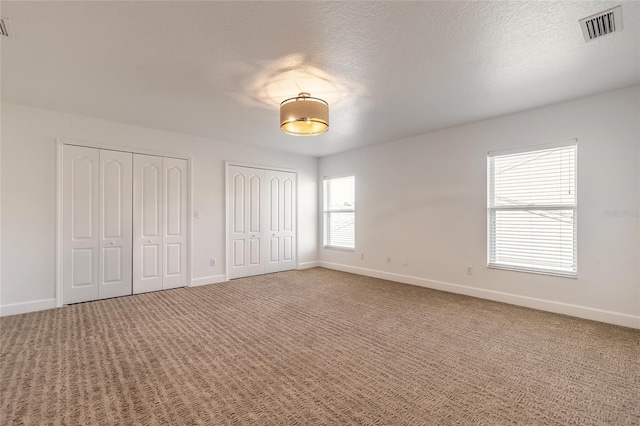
(314,347)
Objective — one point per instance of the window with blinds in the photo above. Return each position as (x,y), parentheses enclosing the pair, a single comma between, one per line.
(340,213)
(532,209)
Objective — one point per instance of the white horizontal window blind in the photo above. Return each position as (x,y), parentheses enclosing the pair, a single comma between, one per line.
(339,213)
(532,210)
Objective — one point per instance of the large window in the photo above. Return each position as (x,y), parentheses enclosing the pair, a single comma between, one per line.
(340,213)
(532,209)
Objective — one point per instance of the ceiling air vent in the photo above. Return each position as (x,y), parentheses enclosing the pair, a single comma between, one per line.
(5,28)
(601,24)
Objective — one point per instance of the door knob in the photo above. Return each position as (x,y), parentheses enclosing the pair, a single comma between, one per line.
(273,235)
(113,243)
(253,236)
(150,241)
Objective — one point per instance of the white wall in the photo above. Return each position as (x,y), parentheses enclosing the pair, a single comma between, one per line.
(28,180)
(424,199)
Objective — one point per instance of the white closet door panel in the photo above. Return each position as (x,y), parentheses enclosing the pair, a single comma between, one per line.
(237,192)
(151,197)
(255,202)
(255,252)
(116,180)
(238,253)
(150,266)
(247,190)
(287,249)
(80,228)
(282,221)
(275,205)
(175,224)
(147,223)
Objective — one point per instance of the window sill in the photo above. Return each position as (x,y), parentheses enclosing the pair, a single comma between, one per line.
(573,275)
(339,248)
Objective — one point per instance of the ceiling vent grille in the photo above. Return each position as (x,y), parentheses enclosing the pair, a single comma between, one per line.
(5,28)
(601,24)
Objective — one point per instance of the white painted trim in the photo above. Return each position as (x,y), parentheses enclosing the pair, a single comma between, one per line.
(214,279)
(297,221)
(617,318)
(0,211)
(190,256)
(227,248)
(59,219)
(308,265)
(24,307)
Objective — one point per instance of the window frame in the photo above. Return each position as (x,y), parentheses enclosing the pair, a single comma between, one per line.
(326,213)
(549,207)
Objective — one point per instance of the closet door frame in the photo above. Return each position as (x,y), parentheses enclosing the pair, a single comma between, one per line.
(227,220)
(60,142)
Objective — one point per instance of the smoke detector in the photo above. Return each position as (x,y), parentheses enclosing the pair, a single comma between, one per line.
(5,28)
(602,24)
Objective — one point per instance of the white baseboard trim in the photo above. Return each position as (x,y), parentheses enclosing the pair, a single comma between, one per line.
(308,265)
(601,315)
(24,307)
(214,279)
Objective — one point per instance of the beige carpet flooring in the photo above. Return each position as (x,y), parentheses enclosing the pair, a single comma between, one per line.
(314,347)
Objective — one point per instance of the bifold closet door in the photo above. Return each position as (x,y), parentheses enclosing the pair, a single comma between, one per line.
(160,223)
(80,228)
(174,218)
(96,225)
(247,219)
(281,222)
(262,221)
(116,186)
(147,223)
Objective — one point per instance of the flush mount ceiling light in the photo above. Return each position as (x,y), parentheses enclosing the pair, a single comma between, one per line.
(304,116)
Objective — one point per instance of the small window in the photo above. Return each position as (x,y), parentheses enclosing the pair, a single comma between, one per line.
(532,209)
(340,213)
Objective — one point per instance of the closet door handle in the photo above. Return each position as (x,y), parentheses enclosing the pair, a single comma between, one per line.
(150,241)
(253,236)
(113,243)
(273,235)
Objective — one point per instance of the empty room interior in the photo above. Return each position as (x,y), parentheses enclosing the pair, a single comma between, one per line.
(320,213)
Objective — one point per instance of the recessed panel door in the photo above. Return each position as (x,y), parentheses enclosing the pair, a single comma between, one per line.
(147,223)
(174,223)
(281,221)
(246,225)
(116,169)
(80,230)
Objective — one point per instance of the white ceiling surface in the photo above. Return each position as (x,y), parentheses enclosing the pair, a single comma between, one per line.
(388,69)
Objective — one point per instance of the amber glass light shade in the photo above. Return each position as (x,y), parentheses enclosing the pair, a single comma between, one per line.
(304,116)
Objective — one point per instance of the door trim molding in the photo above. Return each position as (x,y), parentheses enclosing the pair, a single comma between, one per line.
(60,142)
(227,196)
(59,252)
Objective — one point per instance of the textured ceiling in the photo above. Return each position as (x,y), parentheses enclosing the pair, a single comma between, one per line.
(389,69)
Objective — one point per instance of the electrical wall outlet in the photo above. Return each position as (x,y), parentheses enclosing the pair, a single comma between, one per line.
(388,259)
(405,262)
(213,262)
(469,270)
(361,256)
